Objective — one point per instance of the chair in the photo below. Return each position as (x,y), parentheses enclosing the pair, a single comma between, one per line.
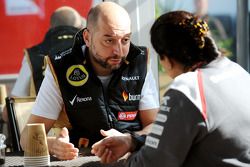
(19,110)
(3,94)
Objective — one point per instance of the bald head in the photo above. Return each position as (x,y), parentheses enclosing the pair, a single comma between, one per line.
(110,13)
(66,16)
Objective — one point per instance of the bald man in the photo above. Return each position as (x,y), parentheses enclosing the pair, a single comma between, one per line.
(66,16)
(64,23)
(103,82)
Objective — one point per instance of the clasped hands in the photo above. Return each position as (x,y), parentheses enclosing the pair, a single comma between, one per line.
(114,146)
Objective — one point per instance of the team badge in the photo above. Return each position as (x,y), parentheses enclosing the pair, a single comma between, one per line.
(77,75)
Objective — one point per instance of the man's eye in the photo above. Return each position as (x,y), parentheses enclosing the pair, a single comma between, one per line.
(109,41)
(126,40)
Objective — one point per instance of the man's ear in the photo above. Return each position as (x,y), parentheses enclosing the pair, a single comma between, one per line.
(86,37)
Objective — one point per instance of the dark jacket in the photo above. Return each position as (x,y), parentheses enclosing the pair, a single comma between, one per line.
(56,39)
(88,107)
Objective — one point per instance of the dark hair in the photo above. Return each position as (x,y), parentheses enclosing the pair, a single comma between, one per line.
(181,36)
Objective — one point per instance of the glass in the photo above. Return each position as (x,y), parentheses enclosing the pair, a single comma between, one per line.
(222,23)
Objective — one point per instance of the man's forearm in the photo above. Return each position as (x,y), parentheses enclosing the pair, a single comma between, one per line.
(146,130)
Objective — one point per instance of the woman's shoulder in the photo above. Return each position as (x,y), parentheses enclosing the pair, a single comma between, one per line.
(188,84)
(188,80)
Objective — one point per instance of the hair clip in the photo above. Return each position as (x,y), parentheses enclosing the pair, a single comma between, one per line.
(197,28)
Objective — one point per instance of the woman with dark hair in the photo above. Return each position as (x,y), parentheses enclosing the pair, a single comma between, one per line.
(204,119)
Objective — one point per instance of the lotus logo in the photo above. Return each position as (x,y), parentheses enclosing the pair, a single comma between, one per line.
(125,96)
(77,75)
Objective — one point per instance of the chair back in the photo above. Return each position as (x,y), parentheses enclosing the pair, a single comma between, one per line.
(19,110)
(3,95)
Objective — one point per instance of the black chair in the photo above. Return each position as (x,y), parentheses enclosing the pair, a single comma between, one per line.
(19,110)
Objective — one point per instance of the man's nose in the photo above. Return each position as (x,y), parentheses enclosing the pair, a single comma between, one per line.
(117,49)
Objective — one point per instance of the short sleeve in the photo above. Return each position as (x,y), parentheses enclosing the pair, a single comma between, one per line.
(49,101)
(22,84)
(150,93)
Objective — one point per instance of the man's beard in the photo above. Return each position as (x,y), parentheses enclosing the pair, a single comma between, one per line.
(105,64)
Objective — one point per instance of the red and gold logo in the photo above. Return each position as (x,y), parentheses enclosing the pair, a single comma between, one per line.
(127,116)
(125,96)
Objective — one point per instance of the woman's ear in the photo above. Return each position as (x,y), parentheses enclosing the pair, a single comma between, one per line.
(86,37)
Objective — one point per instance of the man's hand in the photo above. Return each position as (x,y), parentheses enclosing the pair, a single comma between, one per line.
(113,147)
(62,148)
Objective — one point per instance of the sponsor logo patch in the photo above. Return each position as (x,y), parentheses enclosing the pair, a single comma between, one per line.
(79,99)
(165,108)
(157,129)
(152,142)
(73,100)
(77,75)
(127,96)
(161,118)
(127,116)
(62,54)
(132,78)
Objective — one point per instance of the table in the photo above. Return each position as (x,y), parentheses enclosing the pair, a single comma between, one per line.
(84,161)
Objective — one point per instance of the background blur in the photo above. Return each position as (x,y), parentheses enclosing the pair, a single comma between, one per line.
(23,23)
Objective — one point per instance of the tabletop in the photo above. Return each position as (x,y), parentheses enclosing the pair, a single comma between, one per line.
(82,161)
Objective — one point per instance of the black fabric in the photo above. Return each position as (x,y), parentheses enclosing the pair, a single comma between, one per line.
(87,107)
(137,140)
(184,126)
(56,39)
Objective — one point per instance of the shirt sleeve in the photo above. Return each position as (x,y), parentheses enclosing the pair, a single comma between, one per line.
(178,124)
(149,94)
(22,84)
(49,101)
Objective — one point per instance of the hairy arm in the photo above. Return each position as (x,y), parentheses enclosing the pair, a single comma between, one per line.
(147,118)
